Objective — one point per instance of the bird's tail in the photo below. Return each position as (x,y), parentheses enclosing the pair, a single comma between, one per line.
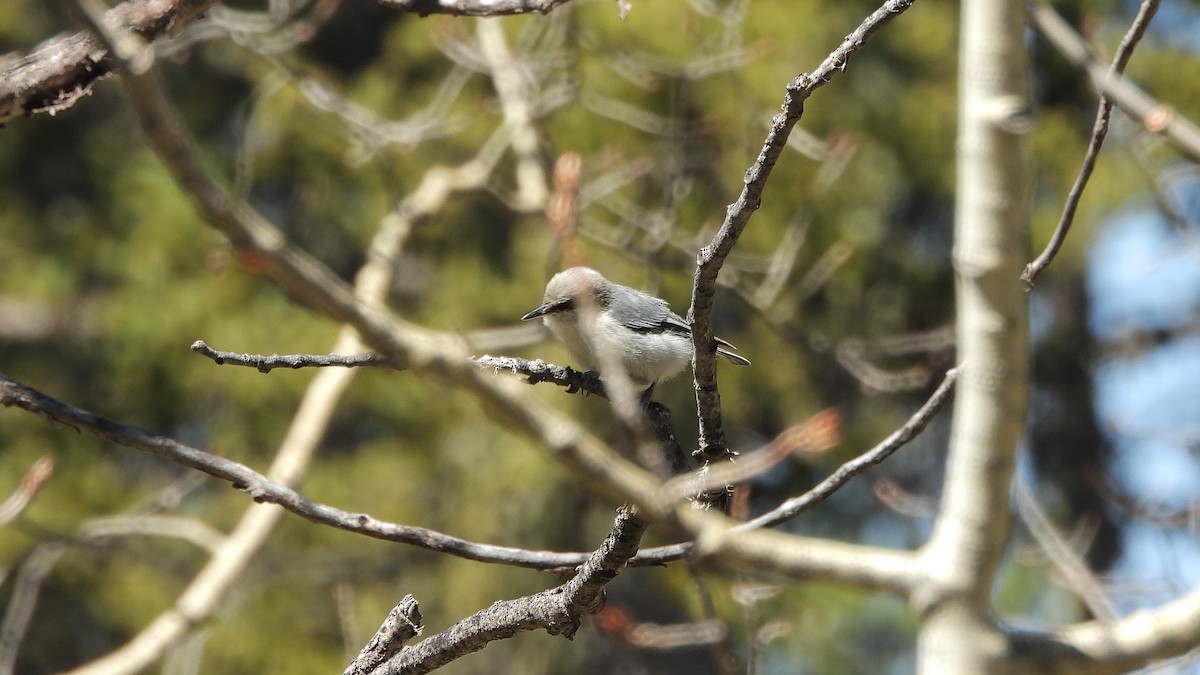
(724,350)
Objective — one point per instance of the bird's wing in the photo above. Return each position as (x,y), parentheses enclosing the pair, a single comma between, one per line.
(651,315)
(654,315)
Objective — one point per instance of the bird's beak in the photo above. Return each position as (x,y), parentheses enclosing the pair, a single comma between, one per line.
(535,313)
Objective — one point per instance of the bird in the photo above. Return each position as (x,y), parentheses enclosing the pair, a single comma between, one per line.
(629,326)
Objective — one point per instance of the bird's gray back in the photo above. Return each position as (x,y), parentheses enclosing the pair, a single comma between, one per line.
(643,312)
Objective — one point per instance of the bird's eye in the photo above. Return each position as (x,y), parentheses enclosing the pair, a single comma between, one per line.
(564,306)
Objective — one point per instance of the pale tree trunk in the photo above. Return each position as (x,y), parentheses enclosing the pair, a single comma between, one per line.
(958,634)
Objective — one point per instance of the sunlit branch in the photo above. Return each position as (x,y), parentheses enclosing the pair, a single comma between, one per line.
(402,624)
(473,7)
(1102,648)
(559,610)
(726,543)
(265,363)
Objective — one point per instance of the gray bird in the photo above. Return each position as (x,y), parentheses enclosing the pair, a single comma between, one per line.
(652,342)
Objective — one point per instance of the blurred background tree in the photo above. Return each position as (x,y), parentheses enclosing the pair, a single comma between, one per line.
(330,115)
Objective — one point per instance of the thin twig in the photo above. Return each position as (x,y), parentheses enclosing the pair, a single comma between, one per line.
(1099,133)
(535,371)
(266,363)
(712,256)
(919,420)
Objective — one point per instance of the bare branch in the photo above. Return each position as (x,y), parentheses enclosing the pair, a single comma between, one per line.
(535,371)
(959,562)
(915,424)
(1042,17)
(558,610)
(265,364)
(712,256)
(402,624)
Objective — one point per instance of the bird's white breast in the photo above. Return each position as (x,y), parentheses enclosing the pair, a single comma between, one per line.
(565,326)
